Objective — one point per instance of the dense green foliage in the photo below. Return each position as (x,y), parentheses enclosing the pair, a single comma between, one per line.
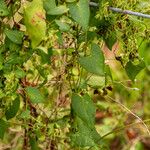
(74,76)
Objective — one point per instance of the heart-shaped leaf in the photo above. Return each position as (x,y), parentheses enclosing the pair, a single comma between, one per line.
(80,12)
(94,63)
(132,70)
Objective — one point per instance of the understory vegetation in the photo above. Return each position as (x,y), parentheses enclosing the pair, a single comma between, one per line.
(74,75)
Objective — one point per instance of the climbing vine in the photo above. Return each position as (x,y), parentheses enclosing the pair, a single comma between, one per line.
(70,72)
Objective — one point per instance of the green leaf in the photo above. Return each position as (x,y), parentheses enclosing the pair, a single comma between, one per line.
(34,18)
(70,1)
(3,128)
(45,57)
(3,9)
(14,59)
(13,109)
(25,114)
(62,25)
(110,40)
(80,12)
(144,51)
(132,70)
(34,144)
(14,35)
(1,61)
(59,10)
(49,4)
(20,73)
(34,95)
(83,135)
(52,9)
(84,108)
(94,63)
(96,81)
(59,37)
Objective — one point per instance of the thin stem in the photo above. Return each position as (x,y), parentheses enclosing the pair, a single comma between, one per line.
(128,110)
(118,10)
(123,127)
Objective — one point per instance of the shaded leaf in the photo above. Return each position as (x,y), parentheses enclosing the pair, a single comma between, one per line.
(34,144)
(14,35)
(110,40)
(132,70)
(59,37)
(80,12)
(34,95)
(14,59)
(45,57)
(94,63)
(1,61)
(3,128)
(13,109)
(34,18)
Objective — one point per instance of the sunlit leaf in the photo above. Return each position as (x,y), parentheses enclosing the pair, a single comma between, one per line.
(3,9)
(94,63)
(34,95)
(34,18)
(80,12)
(96,81)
